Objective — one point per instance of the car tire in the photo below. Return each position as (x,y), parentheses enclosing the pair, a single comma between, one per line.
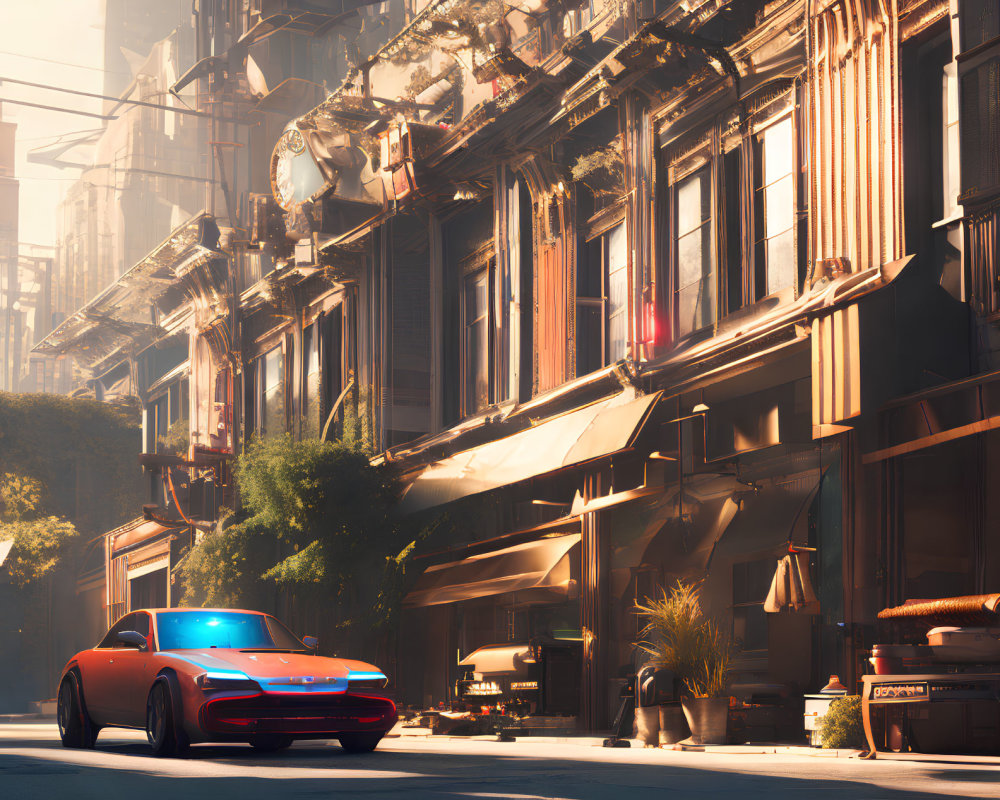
(360,742)
(270,743)
(75,727)
(161,722)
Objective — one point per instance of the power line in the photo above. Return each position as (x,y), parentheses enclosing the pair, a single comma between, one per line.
(117,100)
(64,63)
(57,108)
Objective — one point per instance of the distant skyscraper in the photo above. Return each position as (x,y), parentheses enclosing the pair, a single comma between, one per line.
(10,315)
(131,28)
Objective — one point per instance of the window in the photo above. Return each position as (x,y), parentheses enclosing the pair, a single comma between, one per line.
(694,244)
(774,205)
(734,222)
(602,301)
(751,582)
(271,392)
(310,382)
(124,624)
(476,294)
(166,420)
(979,76)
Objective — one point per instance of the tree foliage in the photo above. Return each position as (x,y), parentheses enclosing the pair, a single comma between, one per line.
(317,524)
(81,452)
(39,541)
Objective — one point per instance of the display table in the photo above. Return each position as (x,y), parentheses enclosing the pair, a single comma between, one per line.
(898,694)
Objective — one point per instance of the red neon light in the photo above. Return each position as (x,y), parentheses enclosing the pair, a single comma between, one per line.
(649,322)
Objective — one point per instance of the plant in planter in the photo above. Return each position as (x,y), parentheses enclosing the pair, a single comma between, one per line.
(680,638)
(842,726)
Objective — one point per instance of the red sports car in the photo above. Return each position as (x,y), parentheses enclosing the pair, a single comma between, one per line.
(211,675)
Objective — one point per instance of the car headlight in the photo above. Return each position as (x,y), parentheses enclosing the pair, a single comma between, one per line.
(225,682)
(366,680)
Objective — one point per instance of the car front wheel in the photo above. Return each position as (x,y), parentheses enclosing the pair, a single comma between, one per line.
(75,727)
(161,727)
(360,742)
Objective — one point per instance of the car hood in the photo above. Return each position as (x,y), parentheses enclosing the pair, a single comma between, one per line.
(284,670)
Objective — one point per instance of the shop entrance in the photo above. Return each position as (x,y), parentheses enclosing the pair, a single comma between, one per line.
(149,590)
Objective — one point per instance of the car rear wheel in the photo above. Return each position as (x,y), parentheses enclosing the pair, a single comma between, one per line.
(161,726)
(75,727)
(360,742)
(270,744)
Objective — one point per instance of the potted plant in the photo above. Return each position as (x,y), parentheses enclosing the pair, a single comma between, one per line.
(680,638)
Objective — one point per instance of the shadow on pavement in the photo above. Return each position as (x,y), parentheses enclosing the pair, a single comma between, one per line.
(213,772)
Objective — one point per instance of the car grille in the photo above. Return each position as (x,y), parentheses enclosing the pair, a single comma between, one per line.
(311,714)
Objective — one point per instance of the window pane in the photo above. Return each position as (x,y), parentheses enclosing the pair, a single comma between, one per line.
(779,207)
(477,377)
(693,201)
(750,628)
(693,256)
(617,261)
(273,401)
(779,151)
(781,262)
(477,385)
(696,305)
(588,269)
(589,344)
(310,398)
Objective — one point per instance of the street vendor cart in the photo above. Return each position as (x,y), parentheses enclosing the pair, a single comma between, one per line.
(942,695)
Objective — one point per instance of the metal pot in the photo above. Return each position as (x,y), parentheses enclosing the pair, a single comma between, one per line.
(673,726)
(647,725)
(707,717)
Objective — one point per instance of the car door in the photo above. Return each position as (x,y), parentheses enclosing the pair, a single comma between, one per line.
(98,675)
(131,672)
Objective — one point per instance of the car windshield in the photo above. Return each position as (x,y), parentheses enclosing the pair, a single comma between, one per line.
(198,630)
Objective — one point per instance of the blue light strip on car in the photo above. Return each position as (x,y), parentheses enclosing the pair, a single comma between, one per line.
(366,676)
(221,674)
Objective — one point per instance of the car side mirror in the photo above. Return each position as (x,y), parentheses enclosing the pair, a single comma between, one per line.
(132,639)
(311,642)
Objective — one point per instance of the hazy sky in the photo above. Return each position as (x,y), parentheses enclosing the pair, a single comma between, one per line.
(34,35)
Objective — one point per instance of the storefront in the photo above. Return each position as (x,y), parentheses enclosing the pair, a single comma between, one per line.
(510,617)
(139,558)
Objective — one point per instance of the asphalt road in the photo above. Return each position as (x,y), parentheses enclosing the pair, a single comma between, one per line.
(34,765)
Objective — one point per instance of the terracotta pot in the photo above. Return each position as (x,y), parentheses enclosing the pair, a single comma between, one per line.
(647,724)
(707,717)
(673,726)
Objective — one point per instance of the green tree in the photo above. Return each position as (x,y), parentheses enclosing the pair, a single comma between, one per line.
(317,530)
(39,541)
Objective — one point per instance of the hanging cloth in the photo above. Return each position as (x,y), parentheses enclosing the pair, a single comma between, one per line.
(791,586)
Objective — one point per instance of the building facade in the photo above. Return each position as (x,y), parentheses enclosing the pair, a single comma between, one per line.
(630,292)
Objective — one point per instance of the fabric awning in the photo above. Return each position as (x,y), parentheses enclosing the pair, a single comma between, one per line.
(543,564)
(971,610)
(497,660)
(769,520)
(600,429)
(136,532)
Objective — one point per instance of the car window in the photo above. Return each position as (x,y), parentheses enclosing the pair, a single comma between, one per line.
(141,623)
(196,630)
(122,625)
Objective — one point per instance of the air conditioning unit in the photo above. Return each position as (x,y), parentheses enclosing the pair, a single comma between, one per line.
(262,207)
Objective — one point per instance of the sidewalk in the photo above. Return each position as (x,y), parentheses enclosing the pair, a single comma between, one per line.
(802,751)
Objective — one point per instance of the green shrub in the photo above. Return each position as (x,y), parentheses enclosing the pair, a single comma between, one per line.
(842,726)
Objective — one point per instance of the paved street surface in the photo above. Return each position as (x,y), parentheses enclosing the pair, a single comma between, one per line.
(34,765)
